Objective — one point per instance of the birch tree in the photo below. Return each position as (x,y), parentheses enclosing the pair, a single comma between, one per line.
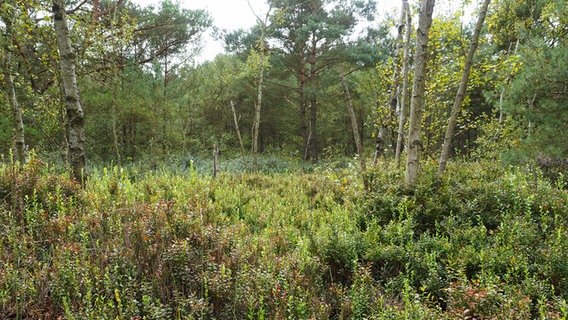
(262,58)
(19,137)
(394,96)
(74,109)
(460,95)
(417,100)
(405,78)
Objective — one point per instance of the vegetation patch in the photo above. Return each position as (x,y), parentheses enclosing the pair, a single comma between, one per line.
(484,241)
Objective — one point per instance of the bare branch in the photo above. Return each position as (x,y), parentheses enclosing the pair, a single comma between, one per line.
(77,7)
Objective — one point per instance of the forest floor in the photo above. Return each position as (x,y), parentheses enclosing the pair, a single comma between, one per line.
(484,241)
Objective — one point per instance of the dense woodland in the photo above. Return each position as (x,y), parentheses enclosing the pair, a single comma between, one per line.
(335,163)
(145,100)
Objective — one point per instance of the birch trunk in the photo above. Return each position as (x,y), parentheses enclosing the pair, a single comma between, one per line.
(19,137)
(418,87)
(74,109)
(405,73)
(460,96)
(257,109)
(258,106)
(394,101)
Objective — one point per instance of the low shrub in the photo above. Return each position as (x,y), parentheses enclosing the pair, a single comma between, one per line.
(482,241)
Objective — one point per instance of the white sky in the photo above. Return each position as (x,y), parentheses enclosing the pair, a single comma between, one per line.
(235,14)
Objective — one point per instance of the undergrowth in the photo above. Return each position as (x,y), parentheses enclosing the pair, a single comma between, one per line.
(483,242)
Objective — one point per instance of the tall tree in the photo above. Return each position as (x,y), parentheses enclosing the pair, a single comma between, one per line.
(538,94)
(354,126)
(73,106)
(19,137)
(310,36)
(259,56)
(395,90)
(417,101)
(19,140)
(405,73)
(460,95)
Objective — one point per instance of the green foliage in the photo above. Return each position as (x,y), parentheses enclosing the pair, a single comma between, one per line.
(538,95)
(486,240)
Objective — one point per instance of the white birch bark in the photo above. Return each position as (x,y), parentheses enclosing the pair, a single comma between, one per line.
(405,79)
(19,136)
(418,87)
(460,95)
(74,109)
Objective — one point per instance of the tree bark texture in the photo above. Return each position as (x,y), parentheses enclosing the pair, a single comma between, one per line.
(257,109)
(460,96)
(215,160)
(405,79)
(19,137)
(380,142)
(418,87)
(74,109)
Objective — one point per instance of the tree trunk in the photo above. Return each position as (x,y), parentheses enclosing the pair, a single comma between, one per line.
(394,96)
(257,109)
(418,87)
(313,141)
(19,137)
(215,160)
(74,109)
(258,106)
(404,94)
(305,132)
(239,135)
(115,131)
(354,125)
(460,96)
(380,143)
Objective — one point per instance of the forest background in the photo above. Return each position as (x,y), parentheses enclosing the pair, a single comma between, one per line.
(145,100)
(412,166)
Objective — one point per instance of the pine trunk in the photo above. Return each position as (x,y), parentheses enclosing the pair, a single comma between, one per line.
(418,87)
(74,110)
